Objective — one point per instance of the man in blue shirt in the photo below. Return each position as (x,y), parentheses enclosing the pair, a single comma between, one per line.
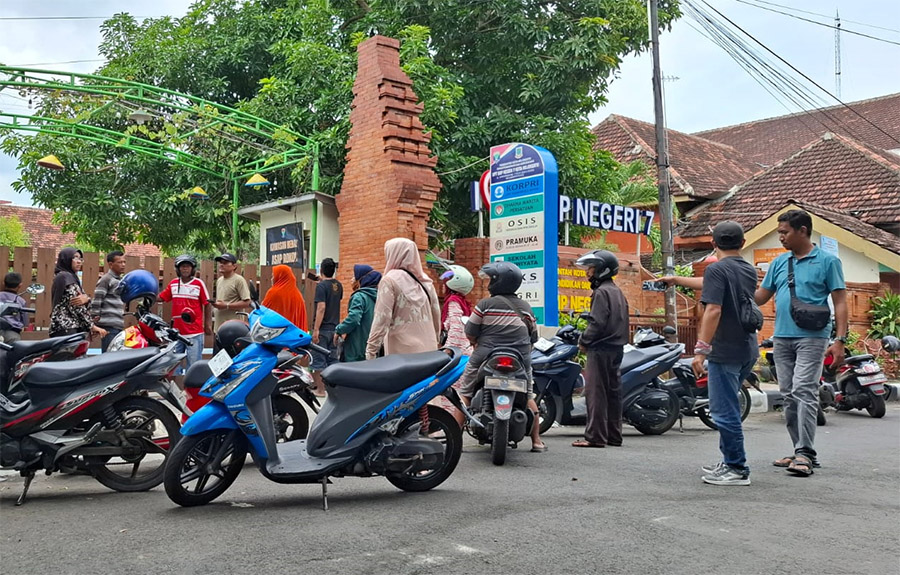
(799,352)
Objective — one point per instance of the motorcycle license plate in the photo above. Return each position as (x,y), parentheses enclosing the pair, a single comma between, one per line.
(506,384)
(872,379)
(220,362)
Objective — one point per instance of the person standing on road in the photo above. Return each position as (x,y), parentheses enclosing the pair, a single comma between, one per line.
(326,316)
(232,291)
(728,349)
(107,309)
(189,294)
(10,294)
(800,349)
(603,342)
(284,297)
(70,312)
(360,313)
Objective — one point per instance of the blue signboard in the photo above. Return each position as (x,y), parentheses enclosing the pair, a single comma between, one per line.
(524,222)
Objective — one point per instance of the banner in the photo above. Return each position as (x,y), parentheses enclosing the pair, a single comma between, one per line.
(284,245)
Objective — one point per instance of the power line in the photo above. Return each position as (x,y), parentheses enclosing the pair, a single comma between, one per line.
(55,63)
(26,18)
(807,78)
(826,16)
(842,29)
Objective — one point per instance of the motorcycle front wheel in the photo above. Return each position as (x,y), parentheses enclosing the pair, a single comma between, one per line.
(743,401)
(144,470)
(672,411)
(291,420)
(442,427)
(203,466)
(546,412)
(876,408)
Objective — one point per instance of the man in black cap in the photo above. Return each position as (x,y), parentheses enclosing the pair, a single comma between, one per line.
(726,346)
(232,291)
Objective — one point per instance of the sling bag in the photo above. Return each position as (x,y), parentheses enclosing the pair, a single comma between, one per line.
(806,315)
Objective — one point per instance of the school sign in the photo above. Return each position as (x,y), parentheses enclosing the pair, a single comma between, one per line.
(524,210)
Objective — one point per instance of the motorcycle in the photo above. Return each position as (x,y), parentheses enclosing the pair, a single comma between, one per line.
(558,378)
(858,383)
(290,417)
(646,405)
(693,392)
(376,420)
(499,406)
(82,414)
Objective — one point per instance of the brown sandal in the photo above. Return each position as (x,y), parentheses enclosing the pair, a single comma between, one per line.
(786,462)
(801,465)
(586,443)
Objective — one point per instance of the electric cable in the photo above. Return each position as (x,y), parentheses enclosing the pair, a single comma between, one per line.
(825,16)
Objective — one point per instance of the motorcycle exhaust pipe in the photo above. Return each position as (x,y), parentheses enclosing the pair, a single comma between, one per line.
(517,424)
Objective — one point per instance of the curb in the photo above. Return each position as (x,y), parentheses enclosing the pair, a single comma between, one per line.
(771,399)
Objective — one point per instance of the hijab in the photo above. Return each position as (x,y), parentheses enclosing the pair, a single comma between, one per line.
(402,253)
(284,297)
(64,274)
(366,276)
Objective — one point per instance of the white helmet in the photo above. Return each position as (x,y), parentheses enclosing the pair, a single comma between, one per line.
(458,279)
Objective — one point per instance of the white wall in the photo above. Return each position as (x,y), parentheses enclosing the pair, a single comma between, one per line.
(857,267)
(328,228)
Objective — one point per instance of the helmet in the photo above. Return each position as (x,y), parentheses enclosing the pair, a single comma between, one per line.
(458,279)
(138,284)
(506,277)
(229,334)
(185,259)
(605,263)
(890,344)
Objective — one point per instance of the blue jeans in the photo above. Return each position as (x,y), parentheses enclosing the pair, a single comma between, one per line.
(193,353)
(326,340)
(725,380)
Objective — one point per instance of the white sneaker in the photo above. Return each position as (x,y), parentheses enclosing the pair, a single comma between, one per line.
(727,476)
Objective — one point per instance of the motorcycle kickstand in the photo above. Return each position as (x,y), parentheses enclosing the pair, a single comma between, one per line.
(29,477)
(325,494)
(681,423)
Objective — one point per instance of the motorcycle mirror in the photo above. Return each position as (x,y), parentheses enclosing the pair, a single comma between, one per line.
(669,330)
(584,315)
(35,289)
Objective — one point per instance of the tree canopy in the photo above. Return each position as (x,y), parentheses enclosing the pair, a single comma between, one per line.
(487,71)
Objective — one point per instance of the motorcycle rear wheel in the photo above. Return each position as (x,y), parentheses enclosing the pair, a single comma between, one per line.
(743,400)
(126,474)
(876,408)
(441,427)
(672,412)
(499,441)
(189,481)
(291,420)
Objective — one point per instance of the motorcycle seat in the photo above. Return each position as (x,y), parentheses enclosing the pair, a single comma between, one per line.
(389,374)
(639,356)
(859,358)
(22,349)
(86,370)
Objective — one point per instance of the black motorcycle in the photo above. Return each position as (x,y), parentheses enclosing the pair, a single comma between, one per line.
(558,379)
(83,415)
(499,406)
(693,393)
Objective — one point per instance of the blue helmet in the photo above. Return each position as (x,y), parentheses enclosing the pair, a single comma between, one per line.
(138,284)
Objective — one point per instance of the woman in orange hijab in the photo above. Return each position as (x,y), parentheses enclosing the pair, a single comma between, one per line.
(284,297)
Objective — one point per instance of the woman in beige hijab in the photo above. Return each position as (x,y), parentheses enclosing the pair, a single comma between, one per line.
(407,312)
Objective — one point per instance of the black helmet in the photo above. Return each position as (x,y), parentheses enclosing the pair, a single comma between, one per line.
(605,264)
(185,259)
(506,277)
(232,336)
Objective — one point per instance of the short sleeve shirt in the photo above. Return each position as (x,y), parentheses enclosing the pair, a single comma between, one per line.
(723,283)
(331,292)
(230,290)
(815,277)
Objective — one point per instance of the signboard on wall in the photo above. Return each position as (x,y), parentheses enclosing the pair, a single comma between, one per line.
(524,226)
(596,214)
(284,245)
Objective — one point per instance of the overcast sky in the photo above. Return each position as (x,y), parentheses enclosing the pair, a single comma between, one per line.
(710,91)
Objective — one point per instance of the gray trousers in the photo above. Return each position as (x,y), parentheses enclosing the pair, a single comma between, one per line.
(798,365)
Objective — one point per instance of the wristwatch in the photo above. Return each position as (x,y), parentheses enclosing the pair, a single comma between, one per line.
(842,339)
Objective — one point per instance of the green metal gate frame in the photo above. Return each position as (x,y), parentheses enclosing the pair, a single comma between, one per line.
(281,147)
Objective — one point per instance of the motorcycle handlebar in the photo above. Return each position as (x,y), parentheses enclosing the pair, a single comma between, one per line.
(178,337)
(319,349)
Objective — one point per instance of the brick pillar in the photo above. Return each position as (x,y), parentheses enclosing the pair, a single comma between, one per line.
(472,253)
(389,182)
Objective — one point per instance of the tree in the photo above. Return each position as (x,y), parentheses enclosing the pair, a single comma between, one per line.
(12,232)
(487,71)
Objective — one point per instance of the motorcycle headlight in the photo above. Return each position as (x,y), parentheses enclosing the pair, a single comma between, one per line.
(118,342)
(262,334)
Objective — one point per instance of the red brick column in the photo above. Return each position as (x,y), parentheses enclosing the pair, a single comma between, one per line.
(472,253)
(389,182)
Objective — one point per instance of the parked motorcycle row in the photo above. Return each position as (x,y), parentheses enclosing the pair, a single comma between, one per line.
(94,415)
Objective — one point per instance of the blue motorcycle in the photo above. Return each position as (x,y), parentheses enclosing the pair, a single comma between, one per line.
(376,420)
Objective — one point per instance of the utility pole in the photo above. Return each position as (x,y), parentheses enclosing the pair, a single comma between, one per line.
(662,169)
(837,54)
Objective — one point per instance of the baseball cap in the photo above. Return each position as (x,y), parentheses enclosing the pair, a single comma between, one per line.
(226,257)
(728,235)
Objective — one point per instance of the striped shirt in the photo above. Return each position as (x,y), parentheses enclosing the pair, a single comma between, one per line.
(495,322)
(107,305)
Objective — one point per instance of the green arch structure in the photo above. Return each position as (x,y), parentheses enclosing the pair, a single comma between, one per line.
(277,146)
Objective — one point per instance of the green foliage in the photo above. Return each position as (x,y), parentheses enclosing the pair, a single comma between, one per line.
(685,271)
(12,233)
(885,314)
(486,73)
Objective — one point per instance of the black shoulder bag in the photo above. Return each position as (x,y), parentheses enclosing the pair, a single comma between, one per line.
(806,315)
(750,315)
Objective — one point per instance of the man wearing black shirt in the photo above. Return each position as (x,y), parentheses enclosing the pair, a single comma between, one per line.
(326,316)
(727,348)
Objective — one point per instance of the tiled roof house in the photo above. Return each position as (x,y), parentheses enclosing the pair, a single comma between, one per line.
(43,233)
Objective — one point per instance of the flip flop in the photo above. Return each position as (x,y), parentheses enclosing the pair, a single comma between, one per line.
(786,462)
(586,443)
(541,449)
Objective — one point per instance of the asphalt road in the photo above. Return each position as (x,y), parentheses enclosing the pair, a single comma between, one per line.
(637,509)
